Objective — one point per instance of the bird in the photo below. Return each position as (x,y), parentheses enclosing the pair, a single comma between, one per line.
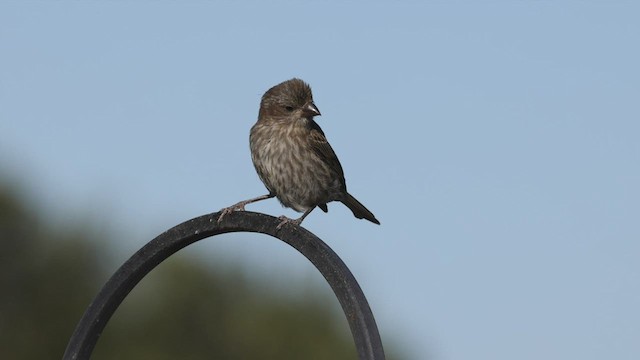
(293,158)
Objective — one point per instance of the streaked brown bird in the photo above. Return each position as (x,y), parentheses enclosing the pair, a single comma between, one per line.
(293,157)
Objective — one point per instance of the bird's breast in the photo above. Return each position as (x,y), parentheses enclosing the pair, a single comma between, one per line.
(290,168)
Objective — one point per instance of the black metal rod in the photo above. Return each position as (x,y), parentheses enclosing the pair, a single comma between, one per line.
(344,285)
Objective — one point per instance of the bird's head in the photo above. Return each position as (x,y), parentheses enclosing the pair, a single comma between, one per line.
(289,99)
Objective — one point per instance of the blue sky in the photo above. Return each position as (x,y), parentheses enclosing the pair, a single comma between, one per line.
(497,142)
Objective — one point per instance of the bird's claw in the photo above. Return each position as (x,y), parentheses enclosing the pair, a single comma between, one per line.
(285,220)
(228,210)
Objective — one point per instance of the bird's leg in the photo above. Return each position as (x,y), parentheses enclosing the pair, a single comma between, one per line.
(285,220)
(240,206)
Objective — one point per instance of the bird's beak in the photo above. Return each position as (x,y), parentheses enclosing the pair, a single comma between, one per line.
(311,110)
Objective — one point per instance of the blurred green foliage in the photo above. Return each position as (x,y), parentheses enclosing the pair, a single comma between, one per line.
(182,310)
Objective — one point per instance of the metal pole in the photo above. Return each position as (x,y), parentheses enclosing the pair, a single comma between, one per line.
(344,285)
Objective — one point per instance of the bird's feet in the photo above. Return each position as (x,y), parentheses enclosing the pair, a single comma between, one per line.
(240,206)
(285,220)
(228,210)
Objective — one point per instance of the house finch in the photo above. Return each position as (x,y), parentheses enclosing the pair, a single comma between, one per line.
(293,157)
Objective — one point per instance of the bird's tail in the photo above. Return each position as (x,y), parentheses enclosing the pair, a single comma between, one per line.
(359,210)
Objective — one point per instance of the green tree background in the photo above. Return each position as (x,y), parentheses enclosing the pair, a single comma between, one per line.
(182,310)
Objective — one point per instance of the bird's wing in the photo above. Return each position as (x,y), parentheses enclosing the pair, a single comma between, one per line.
(321,147)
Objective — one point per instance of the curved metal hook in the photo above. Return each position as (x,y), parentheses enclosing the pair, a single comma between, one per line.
(344,285)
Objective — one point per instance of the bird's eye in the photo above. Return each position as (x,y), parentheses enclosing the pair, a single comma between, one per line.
(289,108)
